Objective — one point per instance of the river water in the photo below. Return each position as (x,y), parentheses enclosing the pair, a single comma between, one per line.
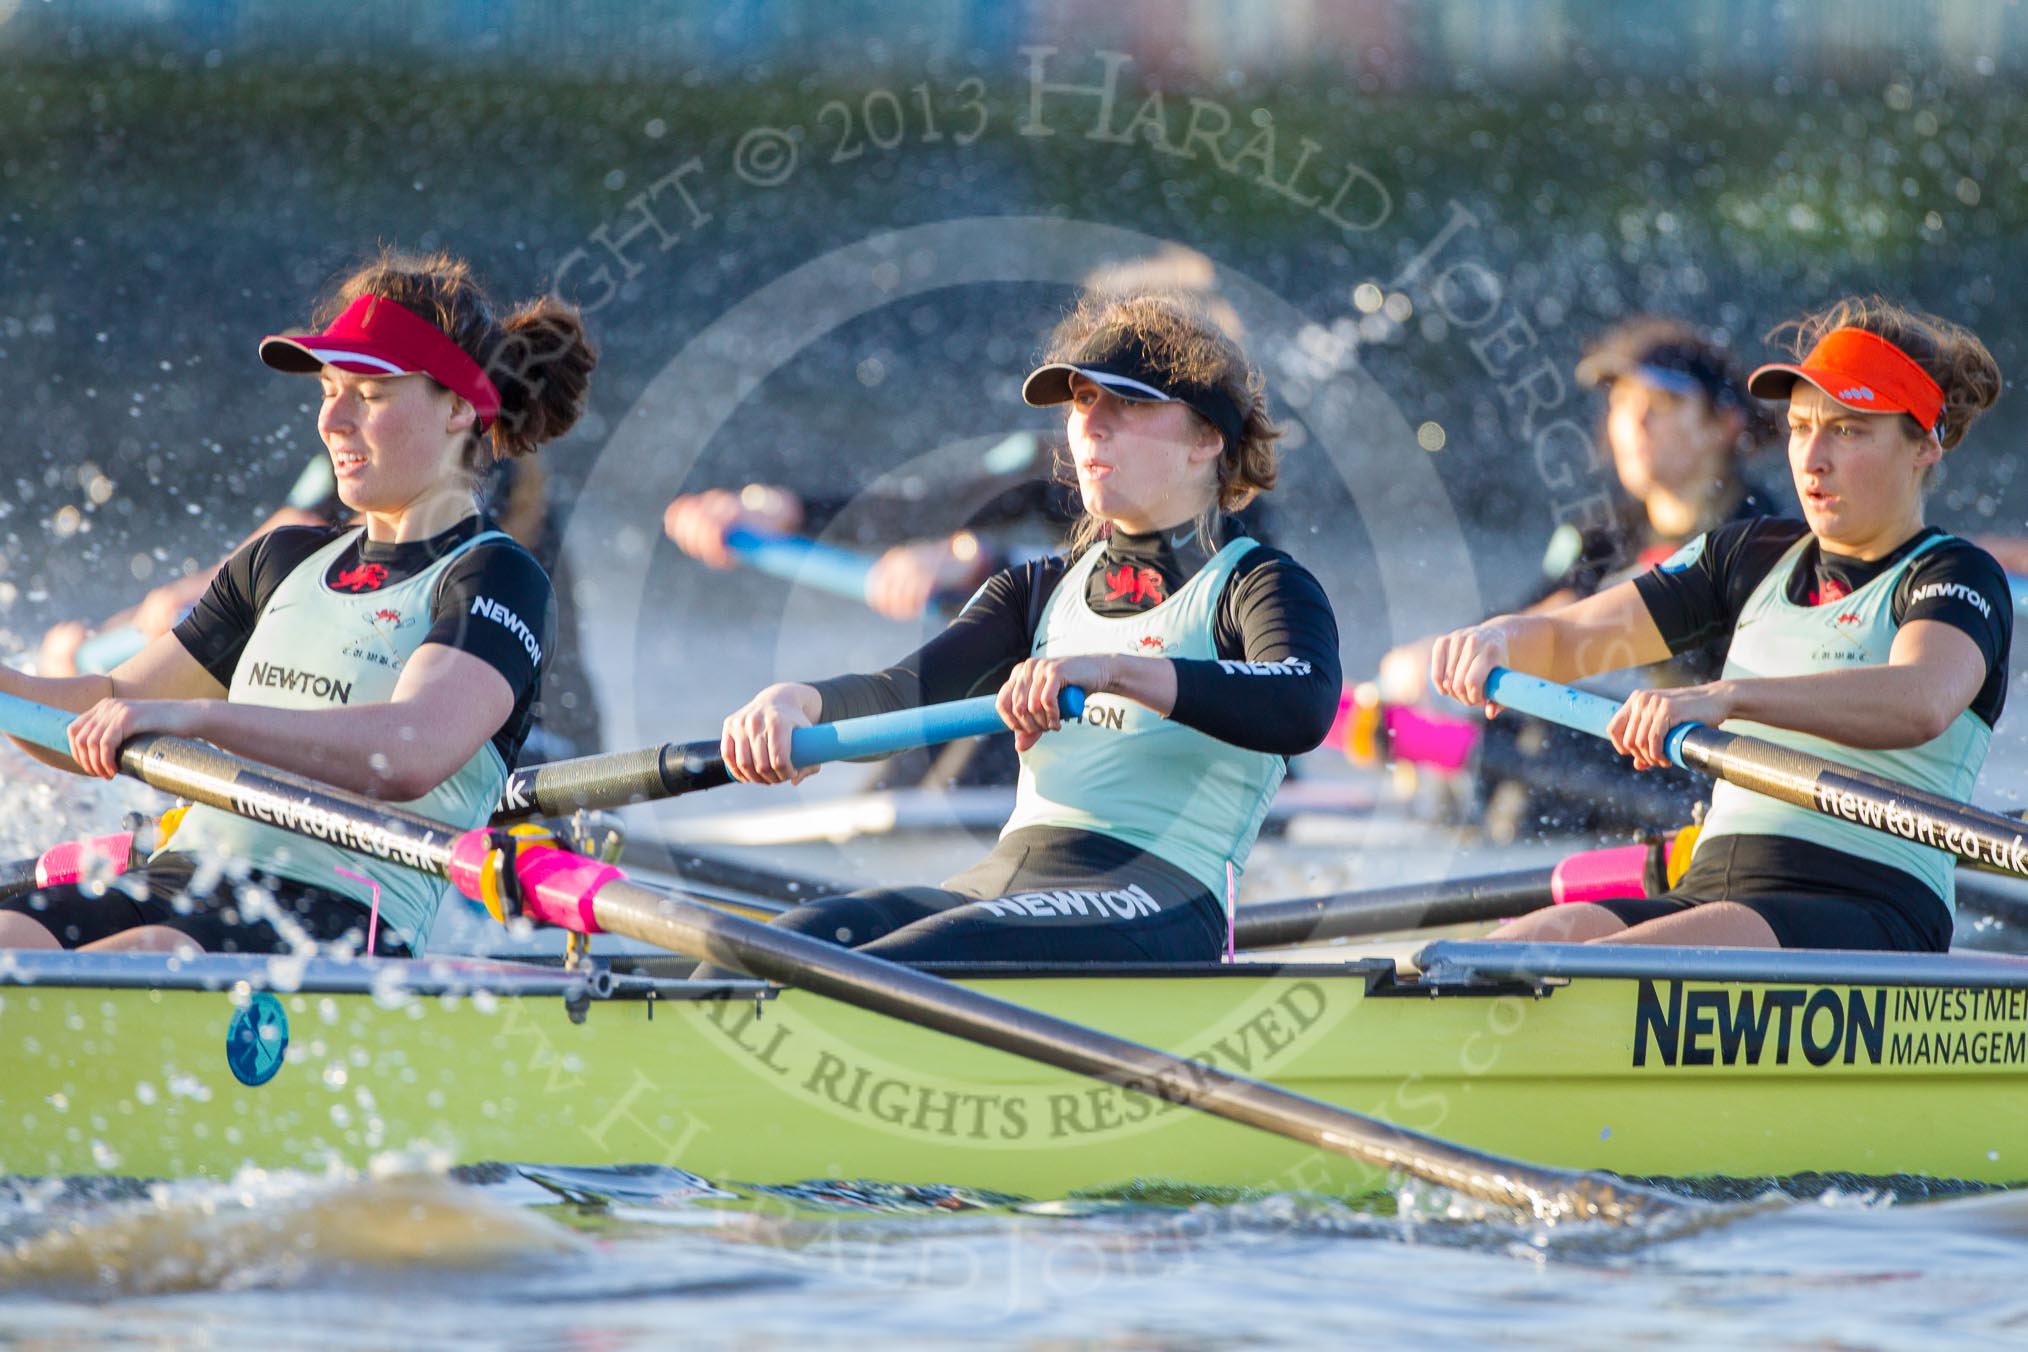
(426,1262)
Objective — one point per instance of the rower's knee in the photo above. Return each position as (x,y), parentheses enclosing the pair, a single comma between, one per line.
(19,931)
(1715,924)
(1577,923)
(827,920)
(146,939)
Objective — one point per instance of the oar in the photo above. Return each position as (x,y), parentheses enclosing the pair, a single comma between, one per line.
(75,861)
(702,870)
(805,562)
(843,572)
(811,563)
(1372,733)
(1985,838)
(1592,875)
(622,777)
(1980,893)
(560,888)
(1382,910)
(1613,872)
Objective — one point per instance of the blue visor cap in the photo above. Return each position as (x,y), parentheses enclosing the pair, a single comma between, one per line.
(1680,368)
(1120,363)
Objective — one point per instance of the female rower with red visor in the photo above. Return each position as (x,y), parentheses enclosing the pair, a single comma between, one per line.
(1858,633)
(1208,659)
(398,658)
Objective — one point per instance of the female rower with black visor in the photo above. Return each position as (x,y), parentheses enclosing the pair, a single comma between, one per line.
(1131,825)
(399,658)
(1858,634)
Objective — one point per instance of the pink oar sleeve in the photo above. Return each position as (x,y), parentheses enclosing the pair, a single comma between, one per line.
(74,860)
(557,887)
(1601,875)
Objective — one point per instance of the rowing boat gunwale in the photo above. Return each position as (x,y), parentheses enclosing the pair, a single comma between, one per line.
(1447,966)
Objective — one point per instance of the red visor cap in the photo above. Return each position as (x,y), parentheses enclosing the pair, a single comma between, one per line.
(1862,371)
(375,336)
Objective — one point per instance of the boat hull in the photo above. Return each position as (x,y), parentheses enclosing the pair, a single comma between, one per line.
(477,1062)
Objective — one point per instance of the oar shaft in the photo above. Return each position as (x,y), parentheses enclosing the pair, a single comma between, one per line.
(37,723)
(204,774)
(712,874)
(904,993)
(1795,777)
(19,877)
(624,777)
(1423,905)
(77,861)
(804,562)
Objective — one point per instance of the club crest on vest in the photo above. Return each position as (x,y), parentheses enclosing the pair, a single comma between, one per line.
(378,644)
(364,577)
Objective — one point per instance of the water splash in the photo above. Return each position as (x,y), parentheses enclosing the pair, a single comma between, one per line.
(259,1230)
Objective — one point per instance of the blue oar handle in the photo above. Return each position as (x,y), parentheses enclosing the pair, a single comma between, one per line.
(885,734)
(1577,709)
(803,562)
(37,723)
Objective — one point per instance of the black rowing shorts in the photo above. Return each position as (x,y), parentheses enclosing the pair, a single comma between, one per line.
(80,915)
(1810,895)
(1045,894)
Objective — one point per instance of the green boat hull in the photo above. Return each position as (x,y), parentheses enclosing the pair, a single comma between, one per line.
(125,1067)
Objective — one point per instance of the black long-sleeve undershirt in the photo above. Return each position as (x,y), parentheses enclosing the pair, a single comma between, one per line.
(1273,687)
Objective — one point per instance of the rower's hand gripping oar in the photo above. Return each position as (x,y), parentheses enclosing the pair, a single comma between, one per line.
(561,888)
(1977,836)
(624,777)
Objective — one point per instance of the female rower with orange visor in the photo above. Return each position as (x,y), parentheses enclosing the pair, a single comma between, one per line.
(399,658)
(1858,633)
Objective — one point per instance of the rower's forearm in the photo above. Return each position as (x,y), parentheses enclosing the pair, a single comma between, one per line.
(385,751)
(1559,650)
(1147,681)
(1873,708)
(74,694)
(1532,646)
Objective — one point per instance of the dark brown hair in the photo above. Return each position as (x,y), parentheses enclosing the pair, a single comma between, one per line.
(1178,332)
(1951,353)
(537,355)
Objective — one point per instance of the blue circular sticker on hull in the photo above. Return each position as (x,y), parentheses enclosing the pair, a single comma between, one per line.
(256,1040)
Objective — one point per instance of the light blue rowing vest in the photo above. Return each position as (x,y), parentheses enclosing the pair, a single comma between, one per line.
(1776,637)
(316,648)
(1124,770)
